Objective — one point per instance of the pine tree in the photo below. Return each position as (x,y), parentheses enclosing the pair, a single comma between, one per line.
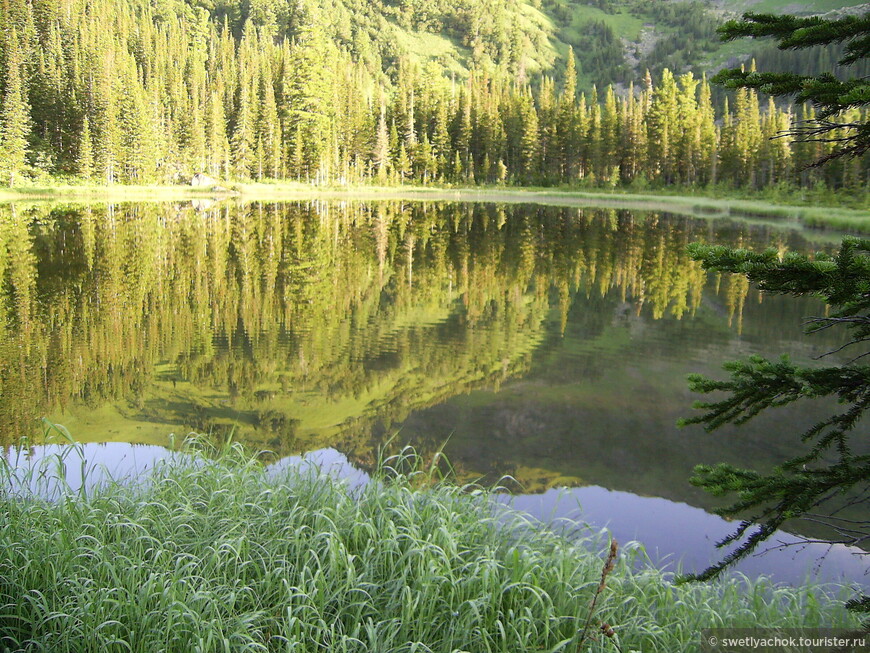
(217,148)
(610,137)
(441,137)
(747,134)
(403,163)
(729,157)
(268,132)
(663,121)
(633,138)
(457,175)
(307,102)
(425,159)
(709,138)
(593,137)
(108,133)
(243,141)
(567,131)
(465,132)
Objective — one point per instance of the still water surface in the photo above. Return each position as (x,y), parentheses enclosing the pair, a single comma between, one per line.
(548,345)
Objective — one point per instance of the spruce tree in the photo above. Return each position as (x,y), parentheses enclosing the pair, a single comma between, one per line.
(830,96)
(85,160)
(14,116)
(381,150)
(831,473)
(530,153)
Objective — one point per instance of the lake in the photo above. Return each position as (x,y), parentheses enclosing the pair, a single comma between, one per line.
(538,347)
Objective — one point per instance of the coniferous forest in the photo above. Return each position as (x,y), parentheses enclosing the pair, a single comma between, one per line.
(138,92)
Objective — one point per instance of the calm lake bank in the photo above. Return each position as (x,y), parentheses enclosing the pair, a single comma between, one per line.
(840,218)
(212,552)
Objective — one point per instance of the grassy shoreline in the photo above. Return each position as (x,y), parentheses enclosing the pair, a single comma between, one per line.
(702,205)
(221,554)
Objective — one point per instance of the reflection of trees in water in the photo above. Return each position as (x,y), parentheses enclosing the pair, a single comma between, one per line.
(256,310)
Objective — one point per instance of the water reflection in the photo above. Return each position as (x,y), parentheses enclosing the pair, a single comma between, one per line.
(550,344)
(308,324)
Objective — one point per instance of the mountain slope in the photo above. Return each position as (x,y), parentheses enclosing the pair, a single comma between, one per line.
(615,41)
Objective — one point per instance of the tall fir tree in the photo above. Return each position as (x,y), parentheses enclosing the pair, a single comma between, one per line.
(14,115)
(85,158)
(830,96)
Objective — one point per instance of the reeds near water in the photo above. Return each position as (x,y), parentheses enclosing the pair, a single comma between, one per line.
(217,554)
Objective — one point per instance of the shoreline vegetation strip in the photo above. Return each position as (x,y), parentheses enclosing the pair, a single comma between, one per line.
(218,552)
(832,217)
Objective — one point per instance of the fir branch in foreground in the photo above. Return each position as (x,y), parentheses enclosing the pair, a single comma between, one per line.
(830,96)
(829,475)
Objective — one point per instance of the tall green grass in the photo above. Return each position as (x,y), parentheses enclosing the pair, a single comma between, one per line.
(221,554)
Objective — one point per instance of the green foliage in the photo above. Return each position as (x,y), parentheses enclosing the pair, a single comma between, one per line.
(831,97)
(214,552)
(14,114)
(831,472)
(243,90)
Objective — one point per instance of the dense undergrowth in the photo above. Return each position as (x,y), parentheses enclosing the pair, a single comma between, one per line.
(224,554)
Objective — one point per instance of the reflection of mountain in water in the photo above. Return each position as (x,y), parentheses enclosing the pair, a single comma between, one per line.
(309,324)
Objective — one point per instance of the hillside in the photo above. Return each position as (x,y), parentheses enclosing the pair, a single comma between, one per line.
(615,41)
(620,39)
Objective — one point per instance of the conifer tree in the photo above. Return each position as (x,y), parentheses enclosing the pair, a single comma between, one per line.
(831,474)
(307,103)
(217,148)
(709,138)
(85,160)
(441,137)
(108,134)
(427,160)
(465,131)
(403,163)
(381,151)
(663,121)
(688,137)
(747,134)
(729,158)
(529,153)
(633,141)
(14,115)
(593,136)
(243,141)
(830,96)
(567,127)
(268,126)
(609,136)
